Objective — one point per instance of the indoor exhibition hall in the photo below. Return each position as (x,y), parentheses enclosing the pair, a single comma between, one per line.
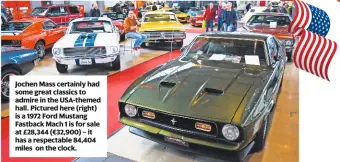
(187,81)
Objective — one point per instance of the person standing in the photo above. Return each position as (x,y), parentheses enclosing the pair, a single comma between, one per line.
(219,16)
(131,24)
(229,18)
(284,8)
(95,12)
(154,7)
(268,9)
(209,16)
(248,7)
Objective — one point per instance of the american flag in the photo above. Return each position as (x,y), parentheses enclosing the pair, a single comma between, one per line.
(313,52)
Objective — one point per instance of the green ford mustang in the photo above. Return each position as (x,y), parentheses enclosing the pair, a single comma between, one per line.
(218,94)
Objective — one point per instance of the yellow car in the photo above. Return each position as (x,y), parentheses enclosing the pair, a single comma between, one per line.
(182,17)
(162,27)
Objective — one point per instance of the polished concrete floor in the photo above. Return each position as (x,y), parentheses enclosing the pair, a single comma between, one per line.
(283,138)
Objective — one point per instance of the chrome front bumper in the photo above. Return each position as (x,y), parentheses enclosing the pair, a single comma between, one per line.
(76,60)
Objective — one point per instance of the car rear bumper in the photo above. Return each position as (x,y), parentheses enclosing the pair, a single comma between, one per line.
(240,150)
(76,61)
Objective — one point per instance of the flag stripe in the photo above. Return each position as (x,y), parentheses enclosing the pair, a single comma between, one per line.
(330,59)
(317,47)
(308,53)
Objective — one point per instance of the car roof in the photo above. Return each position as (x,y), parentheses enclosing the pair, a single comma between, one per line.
(57,5)
(271,14)
(33,20)
(244,35)
(159,12)
(92,19)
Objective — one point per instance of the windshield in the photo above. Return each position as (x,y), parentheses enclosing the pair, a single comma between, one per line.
(266,20)
(39,11)
(227,50)
(115,16)
(91,27)
(15,26)
(159,17)
(175,11)
(195,13)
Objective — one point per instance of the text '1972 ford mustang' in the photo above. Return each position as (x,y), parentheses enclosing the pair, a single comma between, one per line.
(88,41)
(15,61)
(220,94)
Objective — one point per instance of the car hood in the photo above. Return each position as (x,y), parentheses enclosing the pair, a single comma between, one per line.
(188,89)
(93,39)
(182,15)
(280,32)
(161,26)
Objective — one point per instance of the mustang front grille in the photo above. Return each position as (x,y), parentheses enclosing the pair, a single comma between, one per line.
(84,51)
(177,123)
(167,34)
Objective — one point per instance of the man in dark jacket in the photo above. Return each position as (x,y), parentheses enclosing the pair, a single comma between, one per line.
(219,16)
(154,7)
(209,16)
(284,8)
(229,18)
(95,12)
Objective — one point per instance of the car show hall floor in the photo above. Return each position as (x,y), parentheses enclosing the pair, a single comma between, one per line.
(283,137)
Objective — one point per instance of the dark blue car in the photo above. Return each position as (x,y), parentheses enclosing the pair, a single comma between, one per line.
(15,61)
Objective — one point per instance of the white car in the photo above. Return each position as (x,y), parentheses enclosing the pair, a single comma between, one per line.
(88,41)
(251,12)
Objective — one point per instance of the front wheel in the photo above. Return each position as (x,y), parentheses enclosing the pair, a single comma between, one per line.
(115,65)
(40,48)
(61,67)
(260,139)
(122,37)
(188,19)
(180,44)
(5,74)
(289,55)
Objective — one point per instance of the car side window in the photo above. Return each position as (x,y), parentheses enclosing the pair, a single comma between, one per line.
(48,25)
(74,10)
(272,49)
(57,11)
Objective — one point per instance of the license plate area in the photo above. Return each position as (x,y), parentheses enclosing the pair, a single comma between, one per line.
(199,21)
(85,61)
(176,141)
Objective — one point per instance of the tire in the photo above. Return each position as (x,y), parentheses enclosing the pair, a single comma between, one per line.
(289,55)
(40,48)
(5,73)
(180,44)
(261,136)
(122,37)
(115,65)
(188,19)
(143,45)
(61,67)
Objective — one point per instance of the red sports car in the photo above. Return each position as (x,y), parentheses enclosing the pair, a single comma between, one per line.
(197,18)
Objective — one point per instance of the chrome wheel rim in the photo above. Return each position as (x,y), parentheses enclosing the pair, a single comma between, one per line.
(5,84)
(41,50)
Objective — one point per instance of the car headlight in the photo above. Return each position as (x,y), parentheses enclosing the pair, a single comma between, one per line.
(289,43)
(130,110)
(56,51)
(230,132)
(114,49)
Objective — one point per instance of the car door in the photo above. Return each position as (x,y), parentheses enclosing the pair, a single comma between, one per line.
(64,15)
(52,32)
(74,13)
(53,14)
